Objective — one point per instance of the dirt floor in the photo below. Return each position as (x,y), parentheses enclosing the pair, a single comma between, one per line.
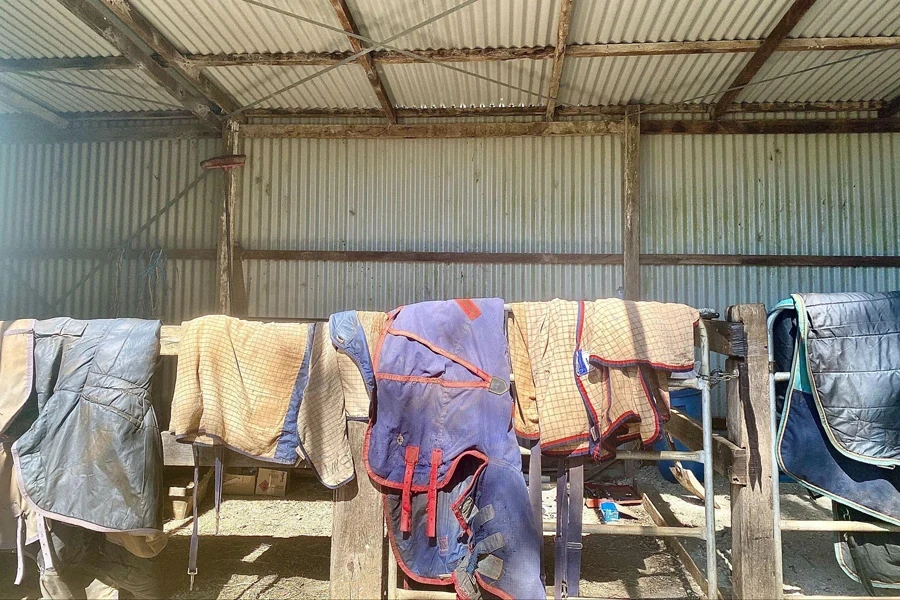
(279,548)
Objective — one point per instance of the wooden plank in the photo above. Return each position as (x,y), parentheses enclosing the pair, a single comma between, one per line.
(138,25)
(176,454)
(516,258)
(891,109)
(458,55)
(23,132)
(559,55)
(773,126)
(662,515)
(345,18)
(81,63)
(446,130)
(231,145)
(169,337)
(358,548)
(755,557)
(729,459)
(762,54)
(115,32)
(14,99)
(631,203)
(724,338)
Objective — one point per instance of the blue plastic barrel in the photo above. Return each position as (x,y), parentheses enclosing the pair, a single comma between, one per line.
(688,402)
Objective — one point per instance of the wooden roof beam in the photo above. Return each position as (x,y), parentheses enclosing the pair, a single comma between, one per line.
(787,23)
(366,62)
(116,33)
(140,26)
(15,99)
(88,63)
(559,55)
(890,109)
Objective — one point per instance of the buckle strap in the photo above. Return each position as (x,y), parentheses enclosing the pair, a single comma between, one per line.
(43,537)
(220,476)
(431,526)
(195,532)
(20,549)
(412,455)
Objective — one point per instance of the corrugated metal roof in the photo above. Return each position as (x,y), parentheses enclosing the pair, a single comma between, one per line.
(873,77)
(647,79)
(424,84)
(486,23)
(840,18)
(233,26)
(44,29)
(620,21)
(343,87)
(64,98)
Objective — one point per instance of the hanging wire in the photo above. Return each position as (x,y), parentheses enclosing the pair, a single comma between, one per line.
(375,45)
(92,88)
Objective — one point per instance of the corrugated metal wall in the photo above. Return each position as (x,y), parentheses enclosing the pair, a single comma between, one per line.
(94,196)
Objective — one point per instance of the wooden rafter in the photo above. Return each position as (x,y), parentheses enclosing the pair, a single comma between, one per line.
(778,34)
(115,32)
(559,55)
(91,63)
(15,99)
(366,62)
(890,109)
(166,51)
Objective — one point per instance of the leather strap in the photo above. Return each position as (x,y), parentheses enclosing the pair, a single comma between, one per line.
(43,537)
(534,493)
(561,569)
(20,549)
(576,511)
(412,455)
(195,532)
(219,476)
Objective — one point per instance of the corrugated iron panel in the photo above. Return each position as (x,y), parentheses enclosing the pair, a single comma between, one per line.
(484,24)
(423,84)
(44,29)
(839,18)
(232,26)
(866,76)
(621,21)
(342,87)
(766,194)
(51,91)
(648,79)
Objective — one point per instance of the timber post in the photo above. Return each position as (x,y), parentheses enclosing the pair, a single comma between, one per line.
(231,144)
(357,535)
(755,555)
(631,202)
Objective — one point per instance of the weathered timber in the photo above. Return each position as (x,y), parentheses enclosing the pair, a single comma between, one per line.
(24,132)
(778,34)
(631,203)
(358,549)
(345,18)
(559,55)
(774,126)
(661,514)
(231,145)
(448,130)
(177,454)
(457,55)
(140,26)
(889,110)
(755,556)
(15,99)
(724,338)
(81,63)
(729,459)
(115,32)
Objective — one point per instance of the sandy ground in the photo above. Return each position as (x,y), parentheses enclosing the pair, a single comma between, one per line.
(279,548)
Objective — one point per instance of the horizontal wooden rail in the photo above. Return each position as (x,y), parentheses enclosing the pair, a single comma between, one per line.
(849,526)
(729,459)
(524,258)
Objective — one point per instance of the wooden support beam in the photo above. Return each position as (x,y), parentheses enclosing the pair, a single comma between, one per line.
(450,130)
(113,30)
(92,63)
(755,556)
(358,548)
(176,454)
(138,25)
(762,54)
(631,203)
(14,99)
(774,126)
(366,62)
(12,132)
(559,55)
(729,459)
(457,55)
(889,110)
(231,145)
